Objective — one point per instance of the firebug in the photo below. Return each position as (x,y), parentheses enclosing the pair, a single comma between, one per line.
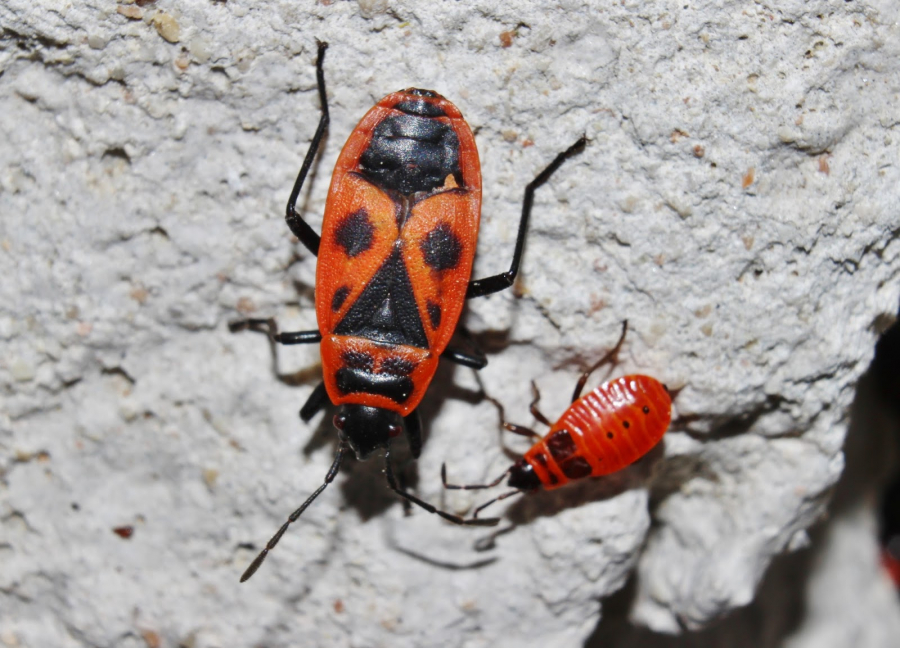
(600,433)
(394,265)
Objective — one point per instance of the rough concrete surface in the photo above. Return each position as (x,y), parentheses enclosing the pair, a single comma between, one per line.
(738,203)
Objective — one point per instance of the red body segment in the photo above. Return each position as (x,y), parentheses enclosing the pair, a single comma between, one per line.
(603,431)
(434,232)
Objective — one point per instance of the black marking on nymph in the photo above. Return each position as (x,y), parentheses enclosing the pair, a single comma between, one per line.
(358,360)
(561,445)
(340,296)
(397,366)
(355,381)
(645,409)
(441,248)
(576,468)
(434,313)
(355,233)
(541,458)
(410,153)
(386,310)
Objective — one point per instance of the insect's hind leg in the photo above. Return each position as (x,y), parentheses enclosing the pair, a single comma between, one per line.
(496,283)
(611,356)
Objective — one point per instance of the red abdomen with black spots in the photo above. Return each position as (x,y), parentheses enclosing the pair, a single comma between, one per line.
(602,432)
(398,243)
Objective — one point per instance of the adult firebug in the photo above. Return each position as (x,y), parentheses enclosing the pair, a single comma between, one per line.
(600,433)
(394,264)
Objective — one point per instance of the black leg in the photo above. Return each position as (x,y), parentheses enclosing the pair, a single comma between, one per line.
(413,424)
(269,328)
(496,283)
(474,359)
(316,401)
(392,483)
(611,356)
(300,227)
(329,477)
(299,337)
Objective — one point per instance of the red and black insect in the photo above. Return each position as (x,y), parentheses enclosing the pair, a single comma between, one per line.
(394,264)
(600,433)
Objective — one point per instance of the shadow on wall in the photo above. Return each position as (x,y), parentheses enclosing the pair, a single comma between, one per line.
(780,614)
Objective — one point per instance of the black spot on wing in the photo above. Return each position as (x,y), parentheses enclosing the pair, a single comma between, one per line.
(434,314)
(441,248)
(355,233)
(340,296)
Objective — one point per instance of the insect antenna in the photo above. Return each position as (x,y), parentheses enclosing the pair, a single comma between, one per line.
(456,519)
(329,477)
(470,486)
(480,486)
(518,491)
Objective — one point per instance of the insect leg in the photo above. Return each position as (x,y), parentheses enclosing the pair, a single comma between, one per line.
(300,227)
(474,359)
(392,483)
(316,401)
(533,408)
(496,283)
(611,356)
(413,424)
(270,328)
(329,477)
(512,427)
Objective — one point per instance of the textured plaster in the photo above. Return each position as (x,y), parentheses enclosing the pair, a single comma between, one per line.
(737,203)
